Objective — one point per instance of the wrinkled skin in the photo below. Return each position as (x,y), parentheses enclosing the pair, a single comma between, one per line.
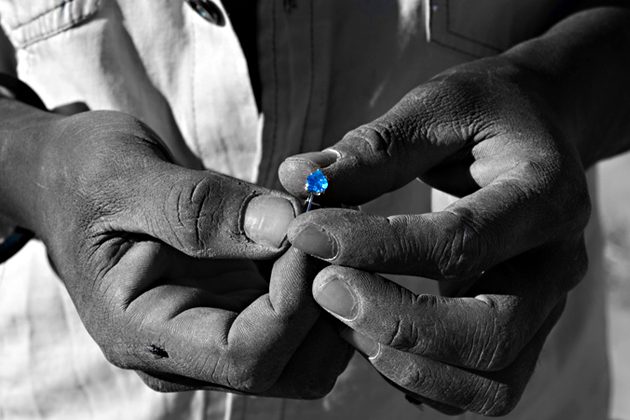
(157,262)
(506,253)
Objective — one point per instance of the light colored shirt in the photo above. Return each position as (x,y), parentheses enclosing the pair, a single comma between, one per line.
(325,66)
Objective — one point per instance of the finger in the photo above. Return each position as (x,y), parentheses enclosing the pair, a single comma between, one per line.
(155,264)
(485,332)
(245,351)
(311,372)
(520,182)
(206,214)
(445,130)
(489,394)
(200,213)
(468,237)
(315,365)
(380,156)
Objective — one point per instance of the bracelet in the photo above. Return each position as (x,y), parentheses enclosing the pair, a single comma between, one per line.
(13,88)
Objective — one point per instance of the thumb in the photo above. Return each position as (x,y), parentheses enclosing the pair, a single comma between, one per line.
(377,157)
(208,214)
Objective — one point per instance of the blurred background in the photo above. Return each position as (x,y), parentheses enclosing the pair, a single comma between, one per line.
(614,194)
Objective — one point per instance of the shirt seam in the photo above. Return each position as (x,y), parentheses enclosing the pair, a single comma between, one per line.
(34,38)
(41,15)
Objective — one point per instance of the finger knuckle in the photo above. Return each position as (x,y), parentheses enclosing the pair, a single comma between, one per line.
(376,144)
(193,215)
(254,374)
(406,334)
(411,379)
(377,138)
(463,254)
(415,378)
(563,187)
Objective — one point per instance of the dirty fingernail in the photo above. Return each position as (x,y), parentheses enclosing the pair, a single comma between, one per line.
(316,242)
(320,159)
(267,219)
(336,297)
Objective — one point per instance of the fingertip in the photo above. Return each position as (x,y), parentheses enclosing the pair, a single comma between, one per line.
(314,240)
(294,170)
(332,291)
(292,174)
(267,219)
(300,222)
(324,276)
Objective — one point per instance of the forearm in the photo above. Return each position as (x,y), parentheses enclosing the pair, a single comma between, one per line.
(583,68)
(22,142)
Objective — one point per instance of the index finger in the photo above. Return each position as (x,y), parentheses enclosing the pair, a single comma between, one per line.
(471,235)
(379,156)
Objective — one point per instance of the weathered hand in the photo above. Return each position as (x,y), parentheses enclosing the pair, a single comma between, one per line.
(474,352)
(481,131)
(188,324)
(131,236)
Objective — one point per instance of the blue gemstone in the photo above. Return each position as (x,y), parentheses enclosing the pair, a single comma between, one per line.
(316,182)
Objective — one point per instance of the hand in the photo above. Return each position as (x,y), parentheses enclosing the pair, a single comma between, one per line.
(481,131)
(205,324)
(131,234)
(474,352)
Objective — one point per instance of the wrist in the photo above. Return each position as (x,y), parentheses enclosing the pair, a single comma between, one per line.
(22,145)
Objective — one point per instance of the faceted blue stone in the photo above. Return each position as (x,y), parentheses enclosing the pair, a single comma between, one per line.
(316,182)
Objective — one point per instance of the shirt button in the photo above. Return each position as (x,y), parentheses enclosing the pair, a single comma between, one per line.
(208,10)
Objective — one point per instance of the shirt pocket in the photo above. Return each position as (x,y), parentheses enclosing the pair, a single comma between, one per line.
(481,28)
(29,21)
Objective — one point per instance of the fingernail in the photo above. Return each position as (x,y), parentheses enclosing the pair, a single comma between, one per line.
(320,159)
(336,297)
(267,219)
(315,241)
(360,342)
